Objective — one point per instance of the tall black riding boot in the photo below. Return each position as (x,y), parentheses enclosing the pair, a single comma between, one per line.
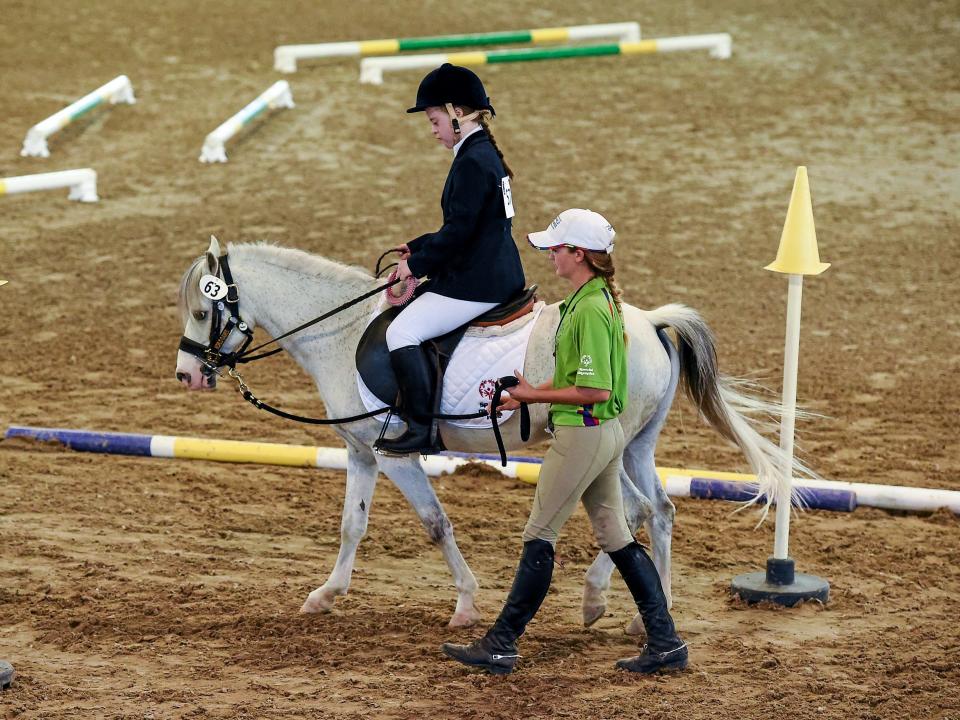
(496,652)
(416,396)
(664,650)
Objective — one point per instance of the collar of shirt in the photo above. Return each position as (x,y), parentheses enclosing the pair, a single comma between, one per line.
(456,148)
(594,284)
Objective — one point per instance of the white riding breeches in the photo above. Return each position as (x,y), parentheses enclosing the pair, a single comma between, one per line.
(430,316)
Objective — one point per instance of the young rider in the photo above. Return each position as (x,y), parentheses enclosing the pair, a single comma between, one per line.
(586,394)
(472,261)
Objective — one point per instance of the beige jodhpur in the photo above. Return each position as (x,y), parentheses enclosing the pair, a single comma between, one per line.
(582,464)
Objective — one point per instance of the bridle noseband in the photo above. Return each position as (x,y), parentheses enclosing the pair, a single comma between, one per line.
(210,355)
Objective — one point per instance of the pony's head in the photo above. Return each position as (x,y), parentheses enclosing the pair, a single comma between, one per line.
(205,320)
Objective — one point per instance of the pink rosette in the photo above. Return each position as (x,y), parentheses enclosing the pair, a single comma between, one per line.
(400,294)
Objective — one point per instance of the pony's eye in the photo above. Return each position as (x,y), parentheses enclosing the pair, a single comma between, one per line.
(200,315)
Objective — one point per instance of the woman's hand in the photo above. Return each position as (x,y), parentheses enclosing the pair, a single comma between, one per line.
(523,391)
(518,393)
(404,251)
(403,270)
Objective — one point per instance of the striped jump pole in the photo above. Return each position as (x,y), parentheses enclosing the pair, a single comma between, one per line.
(285,57)
(372,69)
(82,183)
(276,96)
(118,90)
(816,494)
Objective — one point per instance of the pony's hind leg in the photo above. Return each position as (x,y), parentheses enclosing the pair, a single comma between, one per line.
(361,481)
(637,509)
(639,463)
(409,477)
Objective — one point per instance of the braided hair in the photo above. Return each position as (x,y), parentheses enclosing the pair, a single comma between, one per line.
(483,118)
(602,265)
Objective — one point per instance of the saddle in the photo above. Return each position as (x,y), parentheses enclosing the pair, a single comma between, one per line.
(373,358)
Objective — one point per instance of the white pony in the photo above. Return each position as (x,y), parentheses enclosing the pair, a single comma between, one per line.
(280,289)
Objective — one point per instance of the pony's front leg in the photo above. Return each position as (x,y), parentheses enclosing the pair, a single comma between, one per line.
(597,581)
(361,481)
(408,475)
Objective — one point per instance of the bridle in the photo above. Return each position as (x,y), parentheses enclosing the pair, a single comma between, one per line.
(211,355)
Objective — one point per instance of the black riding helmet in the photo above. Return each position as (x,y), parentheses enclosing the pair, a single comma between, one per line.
(451,84)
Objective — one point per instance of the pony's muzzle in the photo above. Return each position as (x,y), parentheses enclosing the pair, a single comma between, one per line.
(207,382)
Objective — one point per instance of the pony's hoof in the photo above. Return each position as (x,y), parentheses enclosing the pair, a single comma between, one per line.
(465,618)
(592,613)
(318,601)
(594,604)
(635,627)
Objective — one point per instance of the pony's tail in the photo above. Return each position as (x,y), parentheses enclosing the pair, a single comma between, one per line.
(730,405)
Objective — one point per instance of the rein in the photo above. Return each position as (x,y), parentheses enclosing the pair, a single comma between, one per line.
(213,359)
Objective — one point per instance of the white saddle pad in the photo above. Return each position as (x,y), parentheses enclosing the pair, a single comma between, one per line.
(483,355)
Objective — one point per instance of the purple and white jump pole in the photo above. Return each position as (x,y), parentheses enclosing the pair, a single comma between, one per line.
(797,256)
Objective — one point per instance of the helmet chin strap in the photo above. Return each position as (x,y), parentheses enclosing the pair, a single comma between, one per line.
(456,121)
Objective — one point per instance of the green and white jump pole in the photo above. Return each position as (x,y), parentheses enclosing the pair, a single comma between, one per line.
(285,57)
(719,45)
(797,256)
(276,96)
(118,90)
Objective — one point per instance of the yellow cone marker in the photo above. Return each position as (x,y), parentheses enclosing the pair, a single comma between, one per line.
(3,282)
(798,253)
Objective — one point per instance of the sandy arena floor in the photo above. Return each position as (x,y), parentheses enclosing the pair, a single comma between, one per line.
(138,588)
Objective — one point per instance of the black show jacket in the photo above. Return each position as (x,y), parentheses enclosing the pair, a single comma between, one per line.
(473,256)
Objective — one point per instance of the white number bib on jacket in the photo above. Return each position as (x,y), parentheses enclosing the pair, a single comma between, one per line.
(507,197)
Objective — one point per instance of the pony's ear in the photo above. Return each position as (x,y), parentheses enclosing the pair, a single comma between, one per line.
(213,255)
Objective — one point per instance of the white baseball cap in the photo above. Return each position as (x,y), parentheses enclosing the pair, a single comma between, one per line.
(580,228)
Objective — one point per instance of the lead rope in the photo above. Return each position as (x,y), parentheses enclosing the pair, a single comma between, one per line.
(502,384)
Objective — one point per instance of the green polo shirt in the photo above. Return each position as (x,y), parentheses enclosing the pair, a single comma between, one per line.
(590,353)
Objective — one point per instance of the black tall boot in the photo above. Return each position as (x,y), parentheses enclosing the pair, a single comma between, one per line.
(496,652)
(664,650)
(416,396)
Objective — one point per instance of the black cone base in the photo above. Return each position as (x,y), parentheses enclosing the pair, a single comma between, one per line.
(7,673)
(780,585)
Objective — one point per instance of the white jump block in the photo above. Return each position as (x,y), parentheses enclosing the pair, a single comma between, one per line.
(82,183)
(118,90)
(277,95)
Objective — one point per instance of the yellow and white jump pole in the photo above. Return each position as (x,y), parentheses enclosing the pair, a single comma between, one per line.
(797,256)
(285,57)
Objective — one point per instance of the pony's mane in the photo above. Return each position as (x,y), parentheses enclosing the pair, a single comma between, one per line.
(297,261)
(290,259)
